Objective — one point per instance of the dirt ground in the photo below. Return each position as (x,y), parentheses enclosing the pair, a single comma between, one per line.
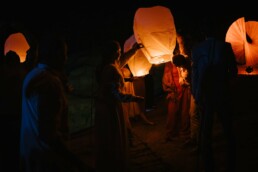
(150,152)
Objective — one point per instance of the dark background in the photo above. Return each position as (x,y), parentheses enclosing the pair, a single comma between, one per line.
(85,22)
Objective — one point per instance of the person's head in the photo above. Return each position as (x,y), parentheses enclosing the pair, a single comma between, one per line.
(208,26)
(52,50)
(110,51)
(12,58)
(179,60)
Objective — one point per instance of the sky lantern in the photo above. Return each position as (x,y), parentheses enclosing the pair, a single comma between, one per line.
(18,43)
(154,27)
(138,64)
(243,37)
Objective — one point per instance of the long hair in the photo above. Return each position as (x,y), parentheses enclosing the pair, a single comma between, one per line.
(109,51)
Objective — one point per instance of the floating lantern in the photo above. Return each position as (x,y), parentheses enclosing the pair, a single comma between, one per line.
(154,28)
(17,42)
(138,64)
(243,37)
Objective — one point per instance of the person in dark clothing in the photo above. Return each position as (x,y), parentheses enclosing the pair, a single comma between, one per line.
(31,59)
(44,126)
(213,68)
(12,75)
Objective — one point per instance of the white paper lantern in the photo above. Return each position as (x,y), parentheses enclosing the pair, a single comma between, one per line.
(138,64)
(243,36)
(154,27)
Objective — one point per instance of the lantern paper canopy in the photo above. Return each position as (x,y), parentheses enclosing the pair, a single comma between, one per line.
(251,43)
(236,36)
(154,27)
(138,64)
(17,42)
(243,37)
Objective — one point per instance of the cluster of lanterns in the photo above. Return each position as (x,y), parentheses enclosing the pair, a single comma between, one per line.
(154,28)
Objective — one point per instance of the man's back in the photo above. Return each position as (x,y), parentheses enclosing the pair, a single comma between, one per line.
(213,66)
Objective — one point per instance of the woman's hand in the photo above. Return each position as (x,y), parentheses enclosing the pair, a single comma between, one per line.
(137,46)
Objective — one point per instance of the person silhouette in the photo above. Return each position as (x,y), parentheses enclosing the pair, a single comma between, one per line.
(44,125)
(177,88)
(10,110)
(111,134)
(213,68)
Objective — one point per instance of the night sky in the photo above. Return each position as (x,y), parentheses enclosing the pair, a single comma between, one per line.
(87,21)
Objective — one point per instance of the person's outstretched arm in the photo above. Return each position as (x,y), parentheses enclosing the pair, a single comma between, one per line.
(127,55)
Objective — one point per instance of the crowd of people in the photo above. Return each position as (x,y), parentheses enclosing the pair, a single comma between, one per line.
(35,107)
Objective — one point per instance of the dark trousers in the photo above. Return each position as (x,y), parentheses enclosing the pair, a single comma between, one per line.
(223,111)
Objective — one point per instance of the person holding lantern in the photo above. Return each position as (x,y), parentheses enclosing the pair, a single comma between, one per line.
(175,83)
(185,44)
(111,135)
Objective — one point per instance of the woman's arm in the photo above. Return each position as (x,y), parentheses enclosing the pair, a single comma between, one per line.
(127,55)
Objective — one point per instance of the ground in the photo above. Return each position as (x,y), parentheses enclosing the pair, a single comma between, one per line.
(150,152)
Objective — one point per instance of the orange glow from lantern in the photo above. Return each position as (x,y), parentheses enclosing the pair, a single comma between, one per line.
(251,43)
(154,27)
(138,64)
(17,42)
(243,70)
(236,36)
(243,37)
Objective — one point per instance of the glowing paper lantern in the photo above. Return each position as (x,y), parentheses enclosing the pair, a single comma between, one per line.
(251,43)
(138,64)
(236,35)
(243,37)
(154,27)
(17,42)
